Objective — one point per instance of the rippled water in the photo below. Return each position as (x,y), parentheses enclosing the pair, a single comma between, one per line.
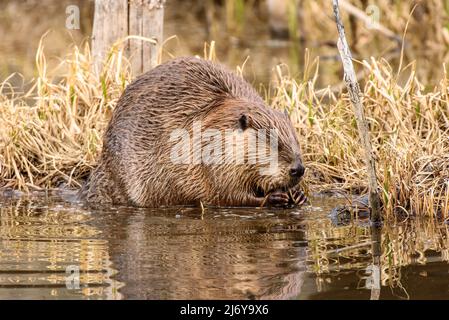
(46,241)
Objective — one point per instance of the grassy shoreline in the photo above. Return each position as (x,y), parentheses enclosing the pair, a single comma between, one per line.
(51,135)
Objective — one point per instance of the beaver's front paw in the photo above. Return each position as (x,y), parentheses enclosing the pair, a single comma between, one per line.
(297,197)
(278,199)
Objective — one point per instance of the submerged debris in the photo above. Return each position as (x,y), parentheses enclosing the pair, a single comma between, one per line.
(358,207)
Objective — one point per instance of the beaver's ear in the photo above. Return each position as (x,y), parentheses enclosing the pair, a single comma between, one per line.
(286,113)
(243,122)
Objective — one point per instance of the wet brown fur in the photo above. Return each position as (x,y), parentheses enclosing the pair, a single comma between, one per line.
(135,166)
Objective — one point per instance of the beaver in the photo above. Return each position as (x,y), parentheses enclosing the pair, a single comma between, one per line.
(136,165)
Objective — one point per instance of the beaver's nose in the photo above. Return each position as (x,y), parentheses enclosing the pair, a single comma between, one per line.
(297,171)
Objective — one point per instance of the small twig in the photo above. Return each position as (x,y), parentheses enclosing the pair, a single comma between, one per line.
(202,210)
(264,200)
(356,246)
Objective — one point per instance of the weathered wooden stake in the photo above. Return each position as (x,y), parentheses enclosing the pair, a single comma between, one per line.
(109,25)
(355,96)
(146,18)
(135,19)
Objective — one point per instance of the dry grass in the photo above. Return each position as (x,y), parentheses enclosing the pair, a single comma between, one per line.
(51,135)
(409,128)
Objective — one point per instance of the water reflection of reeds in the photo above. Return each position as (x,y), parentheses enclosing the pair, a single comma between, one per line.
(181,253)
(38,243)
(336,249)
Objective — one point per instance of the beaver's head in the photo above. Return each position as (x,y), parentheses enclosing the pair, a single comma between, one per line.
(267,138)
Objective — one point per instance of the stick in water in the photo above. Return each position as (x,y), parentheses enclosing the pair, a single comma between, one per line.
(355,96)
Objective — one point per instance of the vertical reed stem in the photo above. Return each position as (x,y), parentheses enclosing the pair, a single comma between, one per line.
(355,96)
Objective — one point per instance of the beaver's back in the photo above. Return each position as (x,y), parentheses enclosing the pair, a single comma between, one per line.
(179,88)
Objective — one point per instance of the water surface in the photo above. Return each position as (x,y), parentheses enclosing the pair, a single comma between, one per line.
(182,253)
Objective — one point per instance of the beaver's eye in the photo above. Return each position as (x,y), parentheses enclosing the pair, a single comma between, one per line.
(243,122)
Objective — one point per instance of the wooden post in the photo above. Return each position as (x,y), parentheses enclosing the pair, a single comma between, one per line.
(110,18)
(116,19)
(146,19)
(354,93)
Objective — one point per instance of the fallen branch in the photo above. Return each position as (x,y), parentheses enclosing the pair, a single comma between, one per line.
(359,14)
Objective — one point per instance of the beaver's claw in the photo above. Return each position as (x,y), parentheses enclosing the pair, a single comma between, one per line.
(297,197)
(278,199)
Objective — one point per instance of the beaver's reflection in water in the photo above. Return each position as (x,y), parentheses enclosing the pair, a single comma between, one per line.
(223,254)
